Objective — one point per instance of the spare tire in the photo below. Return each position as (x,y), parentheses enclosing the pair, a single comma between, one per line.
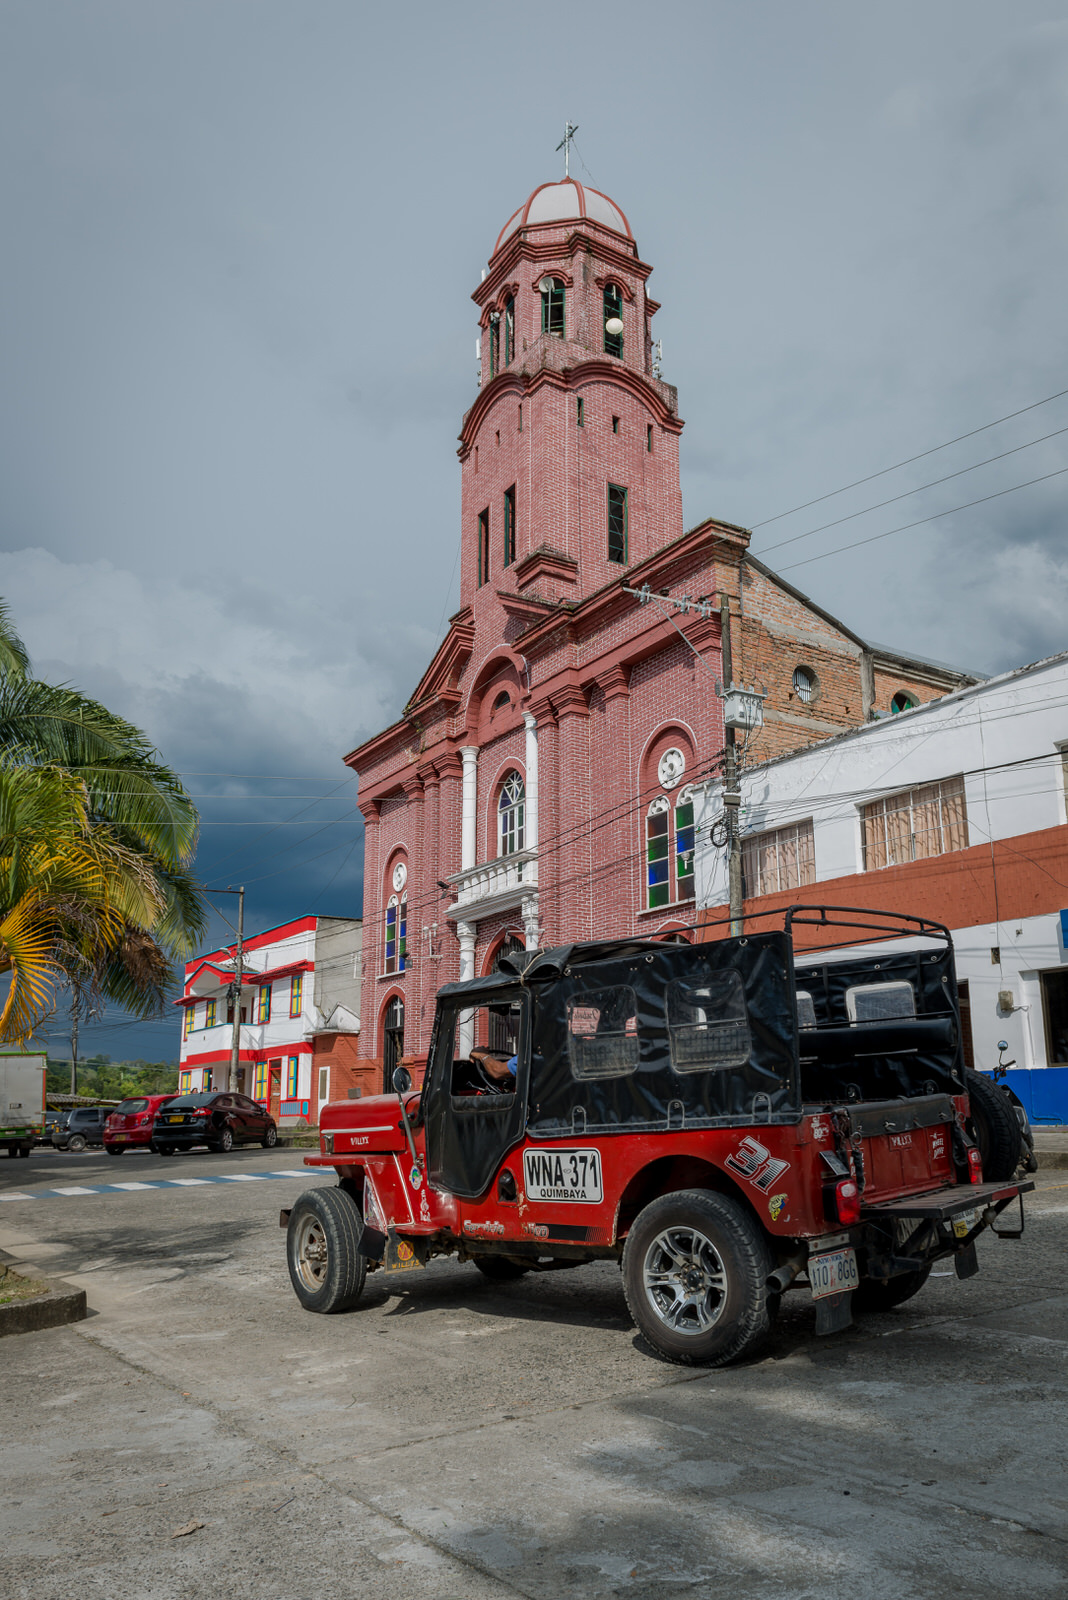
(994,1127)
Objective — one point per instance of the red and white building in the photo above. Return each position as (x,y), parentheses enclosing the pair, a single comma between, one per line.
(538,786)
(299,1022)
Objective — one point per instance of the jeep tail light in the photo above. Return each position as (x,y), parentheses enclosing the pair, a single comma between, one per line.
(975,1165)
(847,1201)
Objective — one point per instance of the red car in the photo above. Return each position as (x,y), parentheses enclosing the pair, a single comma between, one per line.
(727,1125)
(129,1127)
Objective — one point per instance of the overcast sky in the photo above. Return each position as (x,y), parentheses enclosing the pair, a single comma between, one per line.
(236,342)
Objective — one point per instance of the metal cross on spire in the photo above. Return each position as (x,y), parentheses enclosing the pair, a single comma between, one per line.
(570,130)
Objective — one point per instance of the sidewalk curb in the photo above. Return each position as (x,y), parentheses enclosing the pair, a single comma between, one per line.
(1052,1160)
(61,1304)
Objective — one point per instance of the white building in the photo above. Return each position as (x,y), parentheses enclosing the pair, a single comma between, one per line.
(955,810)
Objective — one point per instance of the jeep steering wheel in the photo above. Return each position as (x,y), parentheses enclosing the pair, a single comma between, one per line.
(493,1085)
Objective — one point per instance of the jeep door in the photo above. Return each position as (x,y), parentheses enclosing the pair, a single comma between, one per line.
(471,1121)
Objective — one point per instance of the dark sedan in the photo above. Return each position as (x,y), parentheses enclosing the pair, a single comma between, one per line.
(218,1119)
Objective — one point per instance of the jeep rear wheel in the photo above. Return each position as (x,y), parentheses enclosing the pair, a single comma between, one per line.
(325,1265)
(695,1271)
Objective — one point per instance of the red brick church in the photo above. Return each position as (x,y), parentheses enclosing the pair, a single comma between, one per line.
(536,787)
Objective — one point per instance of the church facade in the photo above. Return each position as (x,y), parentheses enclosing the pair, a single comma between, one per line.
(537,787)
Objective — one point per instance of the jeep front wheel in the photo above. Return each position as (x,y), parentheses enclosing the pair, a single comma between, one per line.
(695,1271)
(325,1266)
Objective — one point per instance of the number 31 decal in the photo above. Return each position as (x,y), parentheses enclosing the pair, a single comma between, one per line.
(753,1162)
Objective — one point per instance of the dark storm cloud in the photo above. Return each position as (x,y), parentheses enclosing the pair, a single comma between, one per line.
(240,241)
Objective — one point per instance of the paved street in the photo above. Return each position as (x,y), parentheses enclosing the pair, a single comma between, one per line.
(453,1437)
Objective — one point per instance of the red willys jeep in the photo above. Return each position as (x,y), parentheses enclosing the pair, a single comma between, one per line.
(725,1124)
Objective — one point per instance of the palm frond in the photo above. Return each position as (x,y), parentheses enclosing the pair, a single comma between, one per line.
(14,659)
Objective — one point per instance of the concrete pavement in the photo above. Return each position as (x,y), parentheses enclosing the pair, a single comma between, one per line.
(454,1437)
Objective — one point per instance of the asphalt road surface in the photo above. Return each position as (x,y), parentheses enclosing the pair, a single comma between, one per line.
(451,1437)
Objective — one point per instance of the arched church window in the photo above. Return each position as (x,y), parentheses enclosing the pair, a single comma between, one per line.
(509,331)
(552,306)
(397,933)
(613,319)
(511,808)
(657,854)
(684,845)
(495,342)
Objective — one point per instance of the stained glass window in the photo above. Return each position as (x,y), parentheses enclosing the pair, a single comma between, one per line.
(657,855)
(396,933)
(296,994)
(510,810)
(684,845)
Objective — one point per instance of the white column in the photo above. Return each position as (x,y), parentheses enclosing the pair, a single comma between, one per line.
(531,724)
(468,807)
(531,928)
(465,932)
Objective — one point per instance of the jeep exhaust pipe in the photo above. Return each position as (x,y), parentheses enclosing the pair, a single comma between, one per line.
(781,1279)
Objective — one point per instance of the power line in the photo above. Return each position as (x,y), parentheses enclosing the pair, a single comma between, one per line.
(918,490)
(910,459)
(934,517)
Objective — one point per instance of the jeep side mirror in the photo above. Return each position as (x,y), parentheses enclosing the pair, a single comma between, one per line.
(402,1080)
(1003,1044)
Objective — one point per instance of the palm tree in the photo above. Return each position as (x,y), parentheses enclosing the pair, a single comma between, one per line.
(109,902)
(70,894)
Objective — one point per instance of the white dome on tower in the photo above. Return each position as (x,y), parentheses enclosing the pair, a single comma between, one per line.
(562,201)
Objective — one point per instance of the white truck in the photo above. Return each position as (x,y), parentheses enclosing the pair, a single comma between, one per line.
(22,1101)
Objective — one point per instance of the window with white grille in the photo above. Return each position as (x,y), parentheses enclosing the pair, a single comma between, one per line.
(782,858)
(915,824)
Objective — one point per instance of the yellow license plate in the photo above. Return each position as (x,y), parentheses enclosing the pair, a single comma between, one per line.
(175,1119)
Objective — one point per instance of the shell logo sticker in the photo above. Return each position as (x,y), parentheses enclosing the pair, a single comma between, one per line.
(775,1205)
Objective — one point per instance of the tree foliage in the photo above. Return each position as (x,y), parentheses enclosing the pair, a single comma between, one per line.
(96,840)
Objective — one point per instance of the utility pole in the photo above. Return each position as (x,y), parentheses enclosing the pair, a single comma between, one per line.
(732,798)
(235,1038)
(74,1009)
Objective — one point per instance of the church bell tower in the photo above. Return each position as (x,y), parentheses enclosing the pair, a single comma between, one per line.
(570,453)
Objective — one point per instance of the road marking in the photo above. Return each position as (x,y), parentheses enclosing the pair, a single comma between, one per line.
(160,1183)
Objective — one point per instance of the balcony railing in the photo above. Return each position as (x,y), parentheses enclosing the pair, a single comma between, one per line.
(495,885)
